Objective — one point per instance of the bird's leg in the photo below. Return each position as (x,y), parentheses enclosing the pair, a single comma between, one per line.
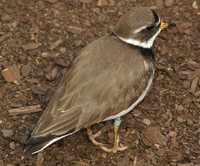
(116,146)
(93,137)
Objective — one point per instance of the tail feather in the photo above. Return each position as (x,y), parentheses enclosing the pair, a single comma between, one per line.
(34,148)
(36,144)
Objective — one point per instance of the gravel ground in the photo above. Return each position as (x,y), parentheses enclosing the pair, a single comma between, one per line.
(39,39)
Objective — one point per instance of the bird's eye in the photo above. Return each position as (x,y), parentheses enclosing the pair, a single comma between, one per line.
(149,28)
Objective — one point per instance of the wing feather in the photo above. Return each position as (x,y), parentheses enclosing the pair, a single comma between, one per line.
(99,84)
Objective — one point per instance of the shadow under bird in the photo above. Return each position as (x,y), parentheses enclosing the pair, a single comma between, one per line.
(106,80)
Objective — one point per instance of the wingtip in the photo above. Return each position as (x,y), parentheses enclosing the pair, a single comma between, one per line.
(36,144)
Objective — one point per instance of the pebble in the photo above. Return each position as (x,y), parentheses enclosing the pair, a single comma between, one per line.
(164,50)
(52,74)
(180,119)
(77,43)
(169,3)
(61,62)
(1,163)
(51,1)
(3,91)
(39,90)
(189,122)
(56,44)
(104,155)
(195,5)
(7,133)
(6,18)
(184,27)
(12,74)
(137,113)
(102,3)
(179,107)
(25,70)
(74,29)
(146,121)
(160,4)
(186,84)
(30,46)
(194,84)
(62,49)
(85,1)
(174,155)
(12,145)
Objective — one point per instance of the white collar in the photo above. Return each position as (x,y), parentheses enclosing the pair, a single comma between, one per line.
(145,44)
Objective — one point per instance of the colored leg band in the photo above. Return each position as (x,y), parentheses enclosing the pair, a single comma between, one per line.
(117,122)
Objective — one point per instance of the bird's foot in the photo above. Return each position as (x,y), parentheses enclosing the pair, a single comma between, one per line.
(115,148)
(93,137)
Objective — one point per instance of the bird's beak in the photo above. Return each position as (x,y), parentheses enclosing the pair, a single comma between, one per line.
(166,25)
(163,25)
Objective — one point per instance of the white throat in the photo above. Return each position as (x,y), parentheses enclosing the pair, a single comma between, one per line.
(145,44)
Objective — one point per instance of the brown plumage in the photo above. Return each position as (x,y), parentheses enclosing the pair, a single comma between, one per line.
(107,77)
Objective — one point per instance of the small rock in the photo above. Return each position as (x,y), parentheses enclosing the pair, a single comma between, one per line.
(74,29)
(4,37)
(39,90)
(179,107)
(181,119)
(12,145)
(40,159)
(174,155)
(85,1)
(164,50)
(3,90)
(56,44)
(33,81)
(45,54)
(2,163)
(189,122)
(196,5)
(7,133)
(124,161)
(184,27)
(104,155)
(30,46)
(160,4)
(51,1)
(160,152)
(25,70)
(187,164)
(61,62)
(110,136)
(169,3)
(12,74)
(62,50)
(136,113)
(194,84)
(154,136)
(186,84)
(52,74)
(146,121)
(102,3)
(77,43)
(172,134)
(6,18)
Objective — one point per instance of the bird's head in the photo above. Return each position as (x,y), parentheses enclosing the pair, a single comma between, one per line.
(140,27)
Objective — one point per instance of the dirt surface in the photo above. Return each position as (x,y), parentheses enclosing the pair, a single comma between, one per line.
(39,39)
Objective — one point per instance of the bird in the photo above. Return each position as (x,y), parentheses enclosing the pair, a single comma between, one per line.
(106,80)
